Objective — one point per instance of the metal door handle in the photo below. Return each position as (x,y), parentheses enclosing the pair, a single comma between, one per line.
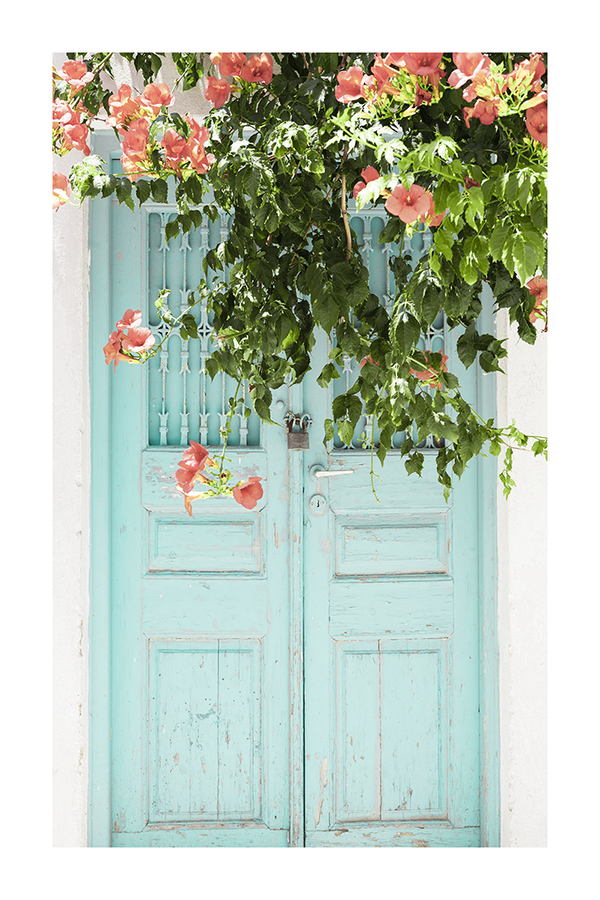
(319,472)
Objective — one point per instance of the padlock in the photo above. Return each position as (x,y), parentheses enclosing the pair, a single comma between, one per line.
(297,440)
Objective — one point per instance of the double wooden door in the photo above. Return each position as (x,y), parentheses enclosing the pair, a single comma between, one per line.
(306,673)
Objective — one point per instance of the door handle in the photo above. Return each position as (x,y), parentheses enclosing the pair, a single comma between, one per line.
(319,472)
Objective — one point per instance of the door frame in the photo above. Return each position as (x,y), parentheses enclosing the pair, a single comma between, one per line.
(100,326)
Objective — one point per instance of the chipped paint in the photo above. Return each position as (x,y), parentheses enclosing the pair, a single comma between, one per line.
(322,786)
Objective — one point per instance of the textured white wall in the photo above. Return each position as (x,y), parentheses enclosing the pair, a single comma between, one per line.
(521,535)
(71,532)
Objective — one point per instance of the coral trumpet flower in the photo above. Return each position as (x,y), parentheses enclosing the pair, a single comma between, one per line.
(248,494)
(408,205)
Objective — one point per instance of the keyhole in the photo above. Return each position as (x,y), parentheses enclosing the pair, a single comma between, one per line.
(317,503)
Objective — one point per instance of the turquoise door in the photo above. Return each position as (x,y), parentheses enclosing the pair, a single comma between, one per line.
(306,673)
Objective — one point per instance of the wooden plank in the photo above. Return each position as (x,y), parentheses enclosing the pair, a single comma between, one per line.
(414,733)
(184,744)
(404,834)
(358,715)
(391,606)
(158,483)
(239,730)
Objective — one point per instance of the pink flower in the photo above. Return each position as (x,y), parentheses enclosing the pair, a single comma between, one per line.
(382,73)
(138,340)
(188,498)
(199,160)
(350,86)
(217,91)
(369,174)
(134,145)
(395,59)
(484,110)
(199,133)
(249,493)
(259,68)
(468,65)
(537,286)
(175,149)
(76,74)
(536,120)
(431,375)
(122,107)
(131,319)
(155,96)
(122,342)
(76,138)
(422,63)
(422,96)
(67,121)
(532,68)
(195,457)
(228,63)
(112,350)
(430,217)
(135,139)
(408,205)
(61,189)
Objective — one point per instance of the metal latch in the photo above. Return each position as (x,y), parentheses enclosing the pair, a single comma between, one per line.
(297,440)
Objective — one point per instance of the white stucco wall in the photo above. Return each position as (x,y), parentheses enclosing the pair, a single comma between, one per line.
(522,554)
(71,480)
(522,602)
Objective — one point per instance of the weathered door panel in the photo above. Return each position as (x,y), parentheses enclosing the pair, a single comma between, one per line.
(200,616)
(305,673)
(391,650)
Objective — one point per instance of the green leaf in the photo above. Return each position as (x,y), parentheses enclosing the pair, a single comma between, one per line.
(124,192)
(466,347)
(346,431)
(212,367)
(171,229)
(392,232)
(142,189)
(455,203)
(431,303)
(414,464)
(468,270)
(328,373)
(329,432)
(190,325)
(405,331)
(498,238)
(160,190)
(444,241)
(263,410)
(354,406)
(325,311)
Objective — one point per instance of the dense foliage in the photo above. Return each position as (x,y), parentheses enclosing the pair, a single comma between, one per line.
(452,142)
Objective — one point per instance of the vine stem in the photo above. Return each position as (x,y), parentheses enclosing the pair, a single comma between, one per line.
(372,446)
(172,325)
(228,430)
(503,440)
(344,213)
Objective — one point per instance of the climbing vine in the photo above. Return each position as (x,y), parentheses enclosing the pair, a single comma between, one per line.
(451,142)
